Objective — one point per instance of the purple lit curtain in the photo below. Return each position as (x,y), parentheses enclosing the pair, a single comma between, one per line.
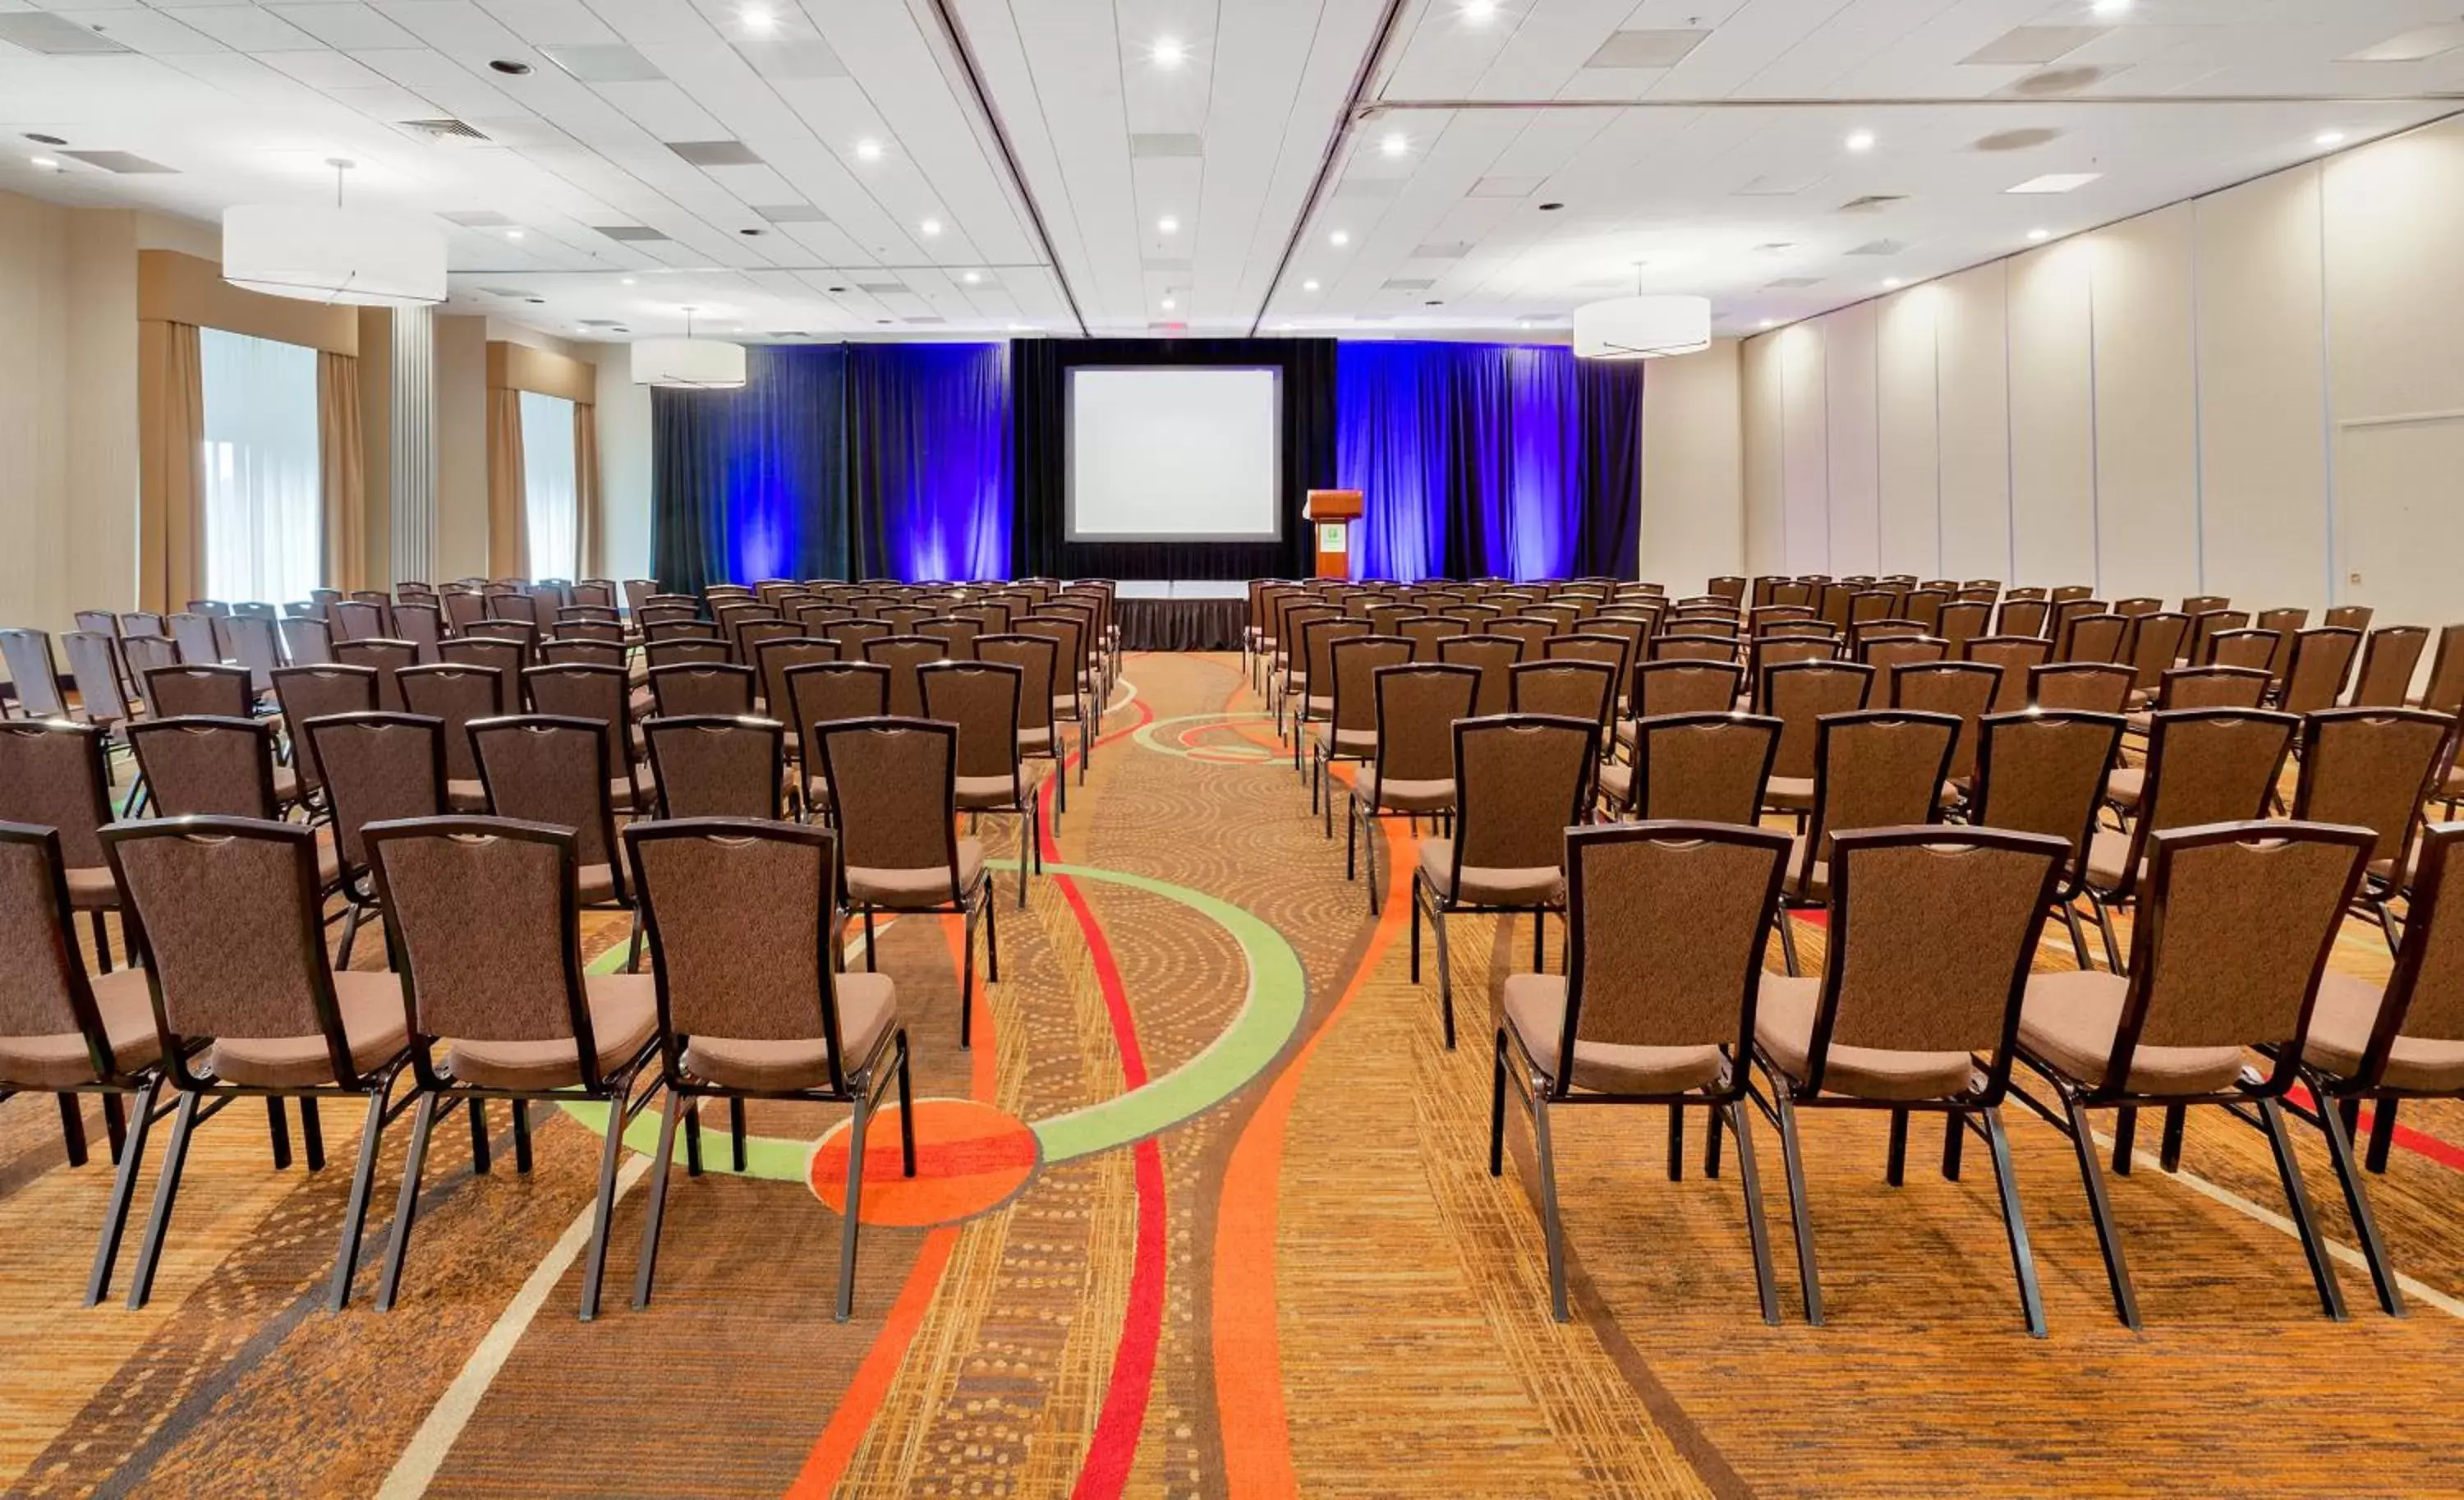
(752,484)
(1490,460)
(928,460)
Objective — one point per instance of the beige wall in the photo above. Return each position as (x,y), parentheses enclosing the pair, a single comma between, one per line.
(2257,393)
(623,465)
(1693,456)
(461,448)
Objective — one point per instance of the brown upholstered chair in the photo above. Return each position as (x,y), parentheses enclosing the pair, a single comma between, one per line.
(1520,780)
(2090,636)
(384,659)
(580,689)
(1665,923)
(1347,730)
(980,699)
(1037,658)
(2150,645)
(377,767)
(483,913)
(1411,772)
(199,688)
(2185,688)
(94,666)
(2081,686)
(2388,658)
(490,648)
(1798,695)
(1964,690)
(2322,659)
(829,693)
(1682,687)
(455,695)
(2204,626)
(2444,693)
(894,783)
(2204,765)
(774,658)
(2242,648)
(1492,658)
(1693,768)
(2021,615)
(2138,605)
(2371,769)
(718,765)
(1565,689)
(2349,617)
(2287,624)
(553,769)
(2240,919)
(2044,772)
(750,1005)
(1932,931)
(202,766)
(1778,651)
(245,1001)
(317,691)
(1873,769)
(703,688)
(1428,632)
(1071,703)
(2017,655)
(52,774)
(1679,645)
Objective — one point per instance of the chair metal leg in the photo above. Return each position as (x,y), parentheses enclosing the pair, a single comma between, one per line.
(481,1158)
(1676,1143)
(2387,928)
(906,1112)
(123,1187)
(167,1189)
(1414,897)
(114,1124)
(871,962)
(1757,1231)
(736,1131)
(2323,1269)
(633,945)
(355,1214)
(1801,1217)
(2125,1137)
(521,1134)
(2340,1150)
(650,1223)
(693,1138)
(2382,1132)
(992,935)
(1711,1142)
(854,1195)
(312,1134)
(1539,941)
(1446,975)
(1497,1110)
(596,1265)
(73,1128)
(2079,935)
(1787,941)
(101,943)
(1953,1137)
(1352,850)
(2104,925)
(1551,1227)
(405,1205)
(2170,1152)
(2014,1224)
(2116,1272)
(277,1129)
(350,933)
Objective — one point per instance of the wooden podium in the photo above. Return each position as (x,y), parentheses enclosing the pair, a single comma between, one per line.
(1332,512)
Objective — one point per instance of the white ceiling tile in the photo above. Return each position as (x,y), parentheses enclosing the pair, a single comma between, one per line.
(344,25)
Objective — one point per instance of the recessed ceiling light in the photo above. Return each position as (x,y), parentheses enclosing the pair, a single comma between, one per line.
(1018,327)
(759,20)
(628,281)
(1167,225)
(2112,8)
(510,67)
(868,150)
(1169,305)
(1339,238)
(1770,323)
(1480,13)
(1551,207)
(1860,141)
(930,228)
(1169,53)
(47,164)
(2039,235)
(1396,144)
(1308,286)
(1890,281)
(2329,137)
(1522,322)
(972,277)
(40,139)
(2054,182)
(513,233)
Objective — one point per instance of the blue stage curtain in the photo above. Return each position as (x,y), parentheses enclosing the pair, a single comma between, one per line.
(752,484)
(1489,460)
(928,460)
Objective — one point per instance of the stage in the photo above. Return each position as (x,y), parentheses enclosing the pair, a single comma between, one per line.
(1183,616)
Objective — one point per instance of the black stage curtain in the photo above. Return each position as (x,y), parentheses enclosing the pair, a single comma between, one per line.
(1608,539)
(1039,416)
(752,484)
(1182,624)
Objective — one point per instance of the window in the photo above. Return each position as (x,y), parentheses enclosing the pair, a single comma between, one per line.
(264,500)
(549,506)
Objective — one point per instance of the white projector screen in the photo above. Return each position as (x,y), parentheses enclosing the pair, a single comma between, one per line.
(1176,454)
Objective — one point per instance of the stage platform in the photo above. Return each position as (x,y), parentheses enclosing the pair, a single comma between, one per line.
(1182,614)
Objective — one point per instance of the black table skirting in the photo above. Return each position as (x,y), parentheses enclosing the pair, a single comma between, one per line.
(1182,624)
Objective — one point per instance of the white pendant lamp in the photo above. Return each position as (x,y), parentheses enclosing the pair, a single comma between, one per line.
(1642,327)
(356,257)
(688,363)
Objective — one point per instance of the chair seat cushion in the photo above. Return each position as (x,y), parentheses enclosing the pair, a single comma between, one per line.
(2339,1034)
(373,1024)
(1800,883)
(467,796)
(93,889)
(868,1009)
(1535,1009)
(917,889)
(286,785)
(2109,855)
(1617,782)
(623,1012)
(2124,784)
(1542,885)
(1401,795)
(1035,741)
(999,793)
(2070,1021)
(1347,743)
(329,857)
(60,1060)
(1790,793)
(1784,1020)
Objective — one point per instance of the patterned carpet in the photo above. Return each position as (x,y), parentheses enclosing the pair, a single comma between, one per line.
(1206,1211)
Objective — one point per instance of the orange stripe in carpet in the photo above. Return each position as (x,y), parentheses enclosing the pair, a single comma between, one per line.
(1248,1354)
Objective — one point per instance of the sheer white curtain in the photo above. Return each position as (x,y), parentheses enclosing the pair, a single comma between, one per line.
(264,500)
(551,509)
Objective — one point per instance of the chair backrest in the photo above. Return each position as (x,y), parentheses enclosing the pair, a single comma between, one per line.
(550,769)
(586,690)
(1964,690)
(829,693)
(206,767)
(1685,687)
(357,620)
(423,626)
(1035,658)
(1428,632)
(198,688)
(232,927)
(2287,623)
(2444,693)
(194,634)
(43,986)
(2137,605)
(2370,768)
(2044,771)
(2211,687)
(384,659)
(775,656)
(980,698)
(2021,616)
(728,967)
(376,767)
(254,646)
(1963,621)
(1877,768)
(702,688)
(2206,624)
(2241,918)
(710,765)
(895,781)
(484,914)
(2425,995)
(1778,651)
(1933,931)
(2017,655)
(564,652)
(1798,695)
(455,695)
(1665,925)
(2253,648)
(52,774)
(306,640)
(94,662)
(1520,780)
(2093,636)
(959,636)
(2093,687)
(2321,660)
(2208,766)
(493,652)
(1887,654)
(2152,643)
(1354,661)
(1416,706)
(1573,689)
(903,655)
(2349,617)
(1702,767)
(1492,658)
(2388,662)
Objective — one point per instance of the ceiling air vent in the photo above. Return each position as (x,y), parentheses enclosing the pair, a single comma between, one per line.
(442,129)
(40,30)
(1410,284)
(118,162)
(1878,247)
(1150,143)
(715,153)
(1791,283)
(1873,202)
(632,234)
(1646,48)
(924,322)
(2016,139)
(881,288)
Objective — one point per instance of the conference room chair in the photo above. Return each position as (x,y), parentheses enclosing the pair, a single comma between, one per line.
(2202,686)
(587,625)
(2322,660)
(2204,626)
(702,688)
(1964,690)
(1519,782)
(456,696)
(583,652)
(375,767)
(1873,769)
(385,658)
(2044,771)
(423,626)
(658,625)
(2093,687)
(2372,768)
(1760,620)
(1532,634)
(1492,657)
(904,655)
(505,656)
(1072,701)
(1665,923)
(1035,658)
(1613,652)
(598,593)
(1960,622)
(1798,631)
(2349,617)
(1886,653)
(1477,616)
(989,618)
(2088,634)
(750,1005)
(748,636)
(820,695)
(2162,1037)
(1710,767)
(1799,695)
(581,690)
(246,1004)
(1676,645)
(1681,687)
(1835,601)
(957,637)
(203,767)
(902,618)
(94,667)
(1429,632)
(463,608)
(2444,692)
(680,650)
(1349,729)
(1932,932)
(2022,612)
(2241,646)
(2287,622)
(482,915)
(556,770)
(199,688)
(981,700)
(2137,605)
(2204,765)
(894,783)
(718,765)
(1728,587)
(250,643)
(814,618)
(359,620)
(1306,688)
(1923,607)
(1386,617)
(775,657)
(2388,658)
(1567,689)
(2151,642)
(1411,771)
(193,633)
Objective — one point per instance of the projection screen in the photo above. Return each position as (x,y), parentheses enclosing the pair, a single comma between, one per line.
(1176,453)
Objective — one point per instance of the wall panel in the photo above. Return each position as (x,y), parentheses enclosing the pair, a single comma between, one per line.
(1805,462)
(1975,423)
(1909,440)
(2146,407)
(1853,485)
(2052,418)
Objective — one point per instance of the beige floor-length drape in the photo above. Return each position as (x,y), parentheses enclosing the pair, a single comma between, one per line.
(171,465)
(586,523)
(342,457)
(509,531)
